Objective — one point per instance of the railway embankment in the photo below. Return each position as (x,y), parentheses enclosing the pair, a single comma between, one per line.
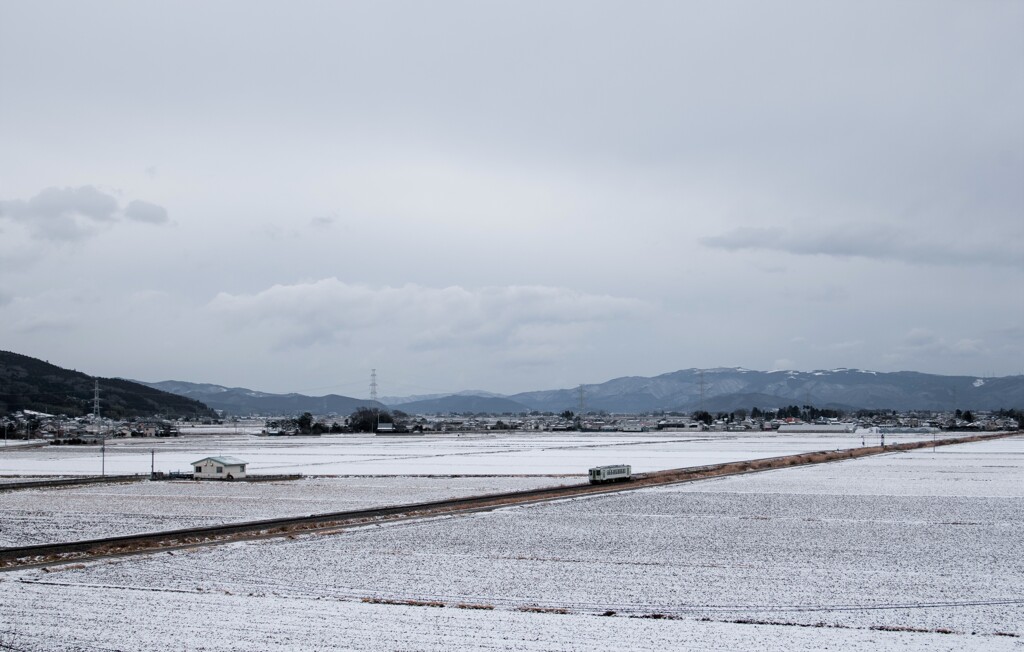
(68,482)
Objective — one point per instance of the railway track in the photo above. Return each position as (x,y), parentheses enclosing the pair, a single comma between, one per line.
(62,553)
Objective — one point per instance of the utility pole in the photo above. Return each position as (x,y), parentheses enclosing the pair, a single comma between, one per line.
(581,408)
(99,433)
(373,397)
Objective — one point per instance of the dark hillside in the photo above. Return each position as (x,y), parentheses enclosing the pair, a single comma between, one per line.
(242,401)
(30,384)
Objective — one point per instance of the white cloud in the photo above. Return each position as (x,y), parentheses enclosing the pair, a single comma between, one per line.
(514,322)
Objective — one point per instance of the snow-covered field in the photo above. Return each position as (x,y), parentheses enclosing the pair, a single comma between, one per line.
(471,454)
(50,515)
(482,463)
(919,551)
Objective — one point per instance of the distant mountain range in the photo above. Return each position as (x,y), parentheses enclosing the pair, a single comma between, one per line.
(714,390)
(241,401)
(727,389)
(28,383)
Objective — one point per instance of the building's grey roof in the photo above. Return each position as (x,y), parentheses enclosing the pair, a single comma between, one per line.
(226,460)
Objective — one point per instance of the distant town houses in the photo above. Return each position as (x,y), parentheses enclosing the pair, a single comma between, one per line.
(60,429)
(600,422)
(87,430)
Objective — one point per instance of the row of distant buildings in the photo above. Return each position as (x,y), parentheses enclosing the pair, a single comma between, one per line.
(87,430)
(633,423)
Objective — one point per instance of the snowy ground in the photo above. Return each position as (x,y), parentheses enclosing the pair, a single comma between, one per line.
(53,514)
(473,454)
(930,544)
(116,618)
(502,462)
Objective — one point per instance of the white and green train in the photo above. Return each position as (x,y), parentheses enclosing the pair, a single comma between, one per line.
(613,473)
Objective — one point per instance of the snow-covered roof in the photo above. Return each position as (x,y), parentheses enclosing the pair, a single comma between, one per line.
(226,460)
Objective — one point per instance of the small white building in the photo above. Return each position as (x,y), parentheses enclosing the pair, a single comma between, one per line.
(223,467)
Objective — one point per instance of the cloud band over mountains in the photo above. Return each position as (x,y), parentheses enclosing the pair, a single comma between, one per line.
(871,241)
(523,321)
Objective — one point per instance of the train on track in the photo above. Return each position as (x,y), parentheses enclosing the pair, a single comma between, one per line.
(613,473)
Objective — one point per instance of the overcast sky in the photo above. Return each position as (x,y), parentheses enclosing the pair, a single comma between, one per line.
(510,196)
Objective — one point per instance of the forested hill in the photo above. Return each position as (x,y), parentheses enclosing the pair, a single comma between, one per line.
(239,400)
(30,384)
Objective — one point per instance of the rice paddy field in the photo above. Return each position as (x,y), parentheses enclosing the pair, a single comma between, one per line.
(919,550)
(490,454)
(339,473)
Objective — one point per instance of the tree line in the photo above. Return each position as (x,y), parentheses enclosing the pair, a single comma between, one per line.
(364,419)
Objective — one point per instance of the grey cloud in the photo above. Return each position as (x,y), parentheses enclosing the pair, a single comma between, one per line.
(920,341)
(70,214)
(871,241)
(844,346)
(511,319)
(62,214)
(321,222)
(143,211)
(852,135)
(1012,333)
(47,323)
(52,203)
